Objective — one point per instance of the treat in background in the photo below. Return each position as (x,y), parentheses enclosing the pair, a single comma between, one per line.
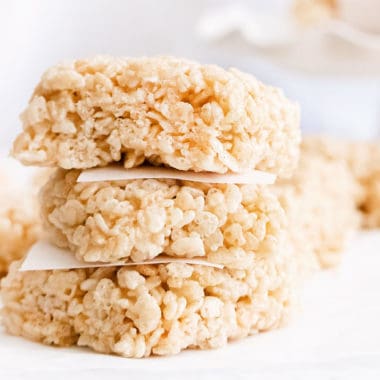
(363,161)
(319,201)
(19,214)
(314,12)
(358,16)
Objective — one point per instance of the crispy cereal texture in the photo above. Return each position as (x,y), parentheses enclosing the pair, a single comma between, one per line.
(166,110)
(148,310)
(319,201)
(19,219)
(363,160)
(141,219)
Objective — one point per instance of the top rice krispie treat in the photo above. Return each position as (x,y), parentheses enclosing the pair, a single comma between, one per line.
(164,110)
(363,160)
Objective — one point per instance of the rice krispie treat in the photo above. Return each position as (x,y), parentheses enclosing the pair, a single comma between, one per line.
(140,219)
(319,203)
(19,219)
(165,110)
(363,160)
(314,12)
(150,309)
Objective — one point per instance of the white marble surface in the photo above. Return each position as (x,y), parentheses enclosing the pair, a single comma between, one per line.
(336,336)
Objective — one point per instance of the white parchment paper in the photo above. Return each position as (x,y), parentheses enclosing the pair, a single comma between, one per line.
(44,256)
(118,173)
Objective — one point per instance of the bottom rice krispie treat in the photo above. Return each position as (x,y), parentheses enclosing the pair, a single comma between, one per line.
(319,203)
(19,219)
(363,160)
(149,309)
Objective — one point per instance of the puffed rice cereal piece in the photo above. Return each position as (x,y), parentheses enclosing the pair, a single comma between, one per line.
(19,216)
(170,111)
(319,203)
(140,219)
(363,160)
(150,309)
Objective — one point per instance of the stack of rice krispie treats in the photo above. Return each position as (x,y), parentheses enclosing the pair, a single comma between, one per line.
(161,112)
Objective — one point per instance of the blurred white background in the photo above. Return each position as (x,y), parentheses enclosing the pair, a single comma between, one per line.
(337,83)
